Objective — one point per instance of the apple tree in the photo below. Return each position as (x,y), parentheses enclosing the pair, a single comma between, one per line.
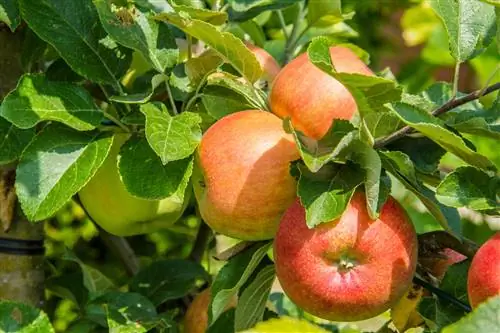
(249,166)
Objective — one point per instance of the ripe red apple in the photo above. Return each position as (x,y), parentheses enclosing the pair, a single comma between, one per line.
(312,98)
(349,269)
(484,273)
(196,318)
(270,66)
(241,180)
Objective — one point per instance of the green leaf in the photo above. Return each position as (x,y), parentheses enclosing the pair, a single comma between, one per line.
(37,99)
(225,323)
(134,29)
(234,83)
(484,319)
(13,141)
(469,187)
(492,2)
(9,13)
(220,102)
(95,282)
(401,167)
(73,29)
(197,68)
(437,315)
(413,147)
(167,279)
(325,194)
(434,129)
(69,286)
(318,153)
(55,166)
(325,13)
(202,14)
(124,311)
(230,48)
(180,84)
(32,52)
(470,25)
(243,10)
(145,176)
(252,302)
(141,98)
(172,138)
(285,325)
(233,276)
(22,318)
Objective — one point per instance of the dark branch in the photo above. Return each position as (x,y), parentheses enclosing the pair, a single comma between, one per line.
(442,294)
(452,104)
(200,244)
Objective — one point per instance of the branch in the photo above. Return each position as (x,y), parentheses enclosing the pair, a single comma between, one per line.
(442,294)
(431,242)
(450,105)
(200,244)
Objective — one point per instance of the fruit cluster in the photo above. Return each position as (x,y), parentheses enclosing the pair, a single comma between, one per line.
(351,268)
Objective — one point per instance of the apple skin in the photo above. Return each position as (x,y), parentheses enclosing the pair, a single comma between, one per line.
(110,205)
(196,318)
(270,66)
(312,98)
(483,279)
(241,177)
(349,269)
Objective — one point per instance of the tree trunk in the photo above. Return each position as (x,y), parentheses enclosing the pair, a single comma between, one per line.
(21,243)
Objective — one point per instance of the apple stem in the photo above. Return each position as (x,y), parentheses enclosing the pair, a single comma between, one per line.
(442,294)
(200,244)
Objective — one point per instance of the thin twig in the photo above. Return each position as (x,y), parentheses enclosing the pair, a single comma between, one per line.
(291,41)
(171,97)
(200,244)
(283,23)
(452,104)
(121,248)
(116,121)
(442,294)
(456,78)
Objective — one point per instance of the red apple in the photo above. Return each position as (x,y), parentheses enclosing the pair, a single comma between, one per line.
(242,180)
(312,98)
(270,66)
(349,269)
(484,272)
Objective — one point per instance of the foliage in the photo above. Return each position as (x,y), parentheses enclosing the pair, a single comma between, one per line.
(163,71)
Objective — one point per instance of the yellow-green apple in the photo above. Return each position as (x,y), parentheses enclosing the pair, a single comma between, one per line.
(269,65)
(312,98)
(241,180)
(111,206)
(196,318)
(351,268)
(483,279)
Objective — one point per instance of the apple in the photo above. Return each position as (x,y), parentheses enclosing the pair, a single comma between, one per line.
(270,66)
(312,98)
(483,279)
(110,205)
(241,179)
(352,268)
(196,318)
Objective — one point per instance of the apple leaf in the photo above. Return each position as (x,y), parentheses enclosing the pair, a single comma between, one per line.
(141,98)
(13,140)
(484,319)
(326,13)
(234,83)
(167,279)
(434,129)
(202,14)
(128,312)
(492,2)
(172,138)
(316,154)
(413,147)
(220,102)
(198,68)
(233,276)
(57,163)
(325,194)
(180,83)
(247,9)
(134,29)
(37,99)
(74,30)
(285,325)
(440,311)
(9,13)
(93,280)
(252,301)
(400,166)
(229,47)
(145,176)
(470,25)
(469,187)
(22,318)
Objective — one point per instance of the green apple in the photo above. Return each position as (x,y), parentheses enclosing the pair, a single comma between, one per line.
(111,206)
